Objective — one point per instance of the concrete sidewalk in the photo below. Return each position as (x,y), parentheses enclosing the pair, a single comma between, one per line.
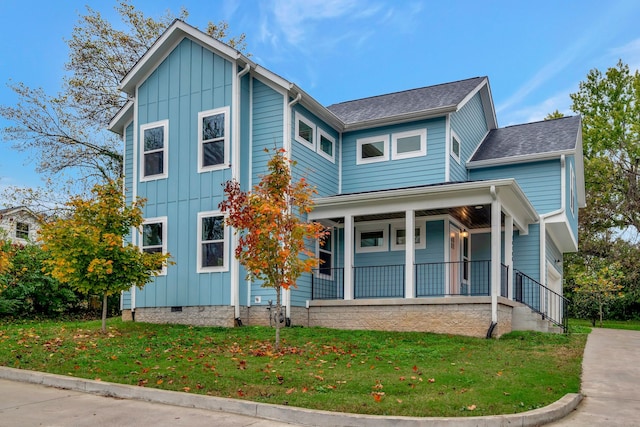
(610,381)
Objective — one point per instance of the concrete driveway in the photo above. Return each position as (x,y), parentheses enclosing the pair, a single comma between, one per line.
(610,381)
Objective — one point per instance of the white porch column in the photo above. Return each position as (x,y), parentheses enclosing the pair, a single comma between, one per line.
(496,245)
(508,252)
(410,253)
(348,257)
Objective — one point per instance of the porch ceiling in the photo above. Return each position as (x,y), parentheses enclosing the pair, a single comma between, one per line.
(470,216)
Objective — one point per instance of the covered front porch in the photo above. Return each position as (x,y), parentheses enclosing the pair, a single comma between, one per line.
(401,247)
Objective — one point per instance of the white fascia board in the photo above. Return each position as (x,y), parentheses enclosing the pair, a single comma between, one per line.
(122,118)
(434,197)
(528,158)
(272,77)
(489,113)
(401,118)
(318,109)
(177,31)
(579,171)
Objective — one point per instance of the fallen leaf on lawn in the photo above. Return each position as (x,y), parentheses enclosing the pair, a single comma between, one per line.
(304,389)
(377,395)
(499,373)
(471,407)
(415,368)
(399,400)
(432,380)
(186,389)
(240,392)
(402,378)
(291,390)
(159,382)
(506,394)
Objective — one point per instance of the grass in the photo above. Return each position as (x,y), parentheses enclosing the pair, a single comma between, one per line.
(386,373)
(633,325)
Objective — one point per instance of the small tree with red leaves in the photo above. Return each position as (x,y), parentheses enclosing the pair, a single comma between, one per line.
(273,234)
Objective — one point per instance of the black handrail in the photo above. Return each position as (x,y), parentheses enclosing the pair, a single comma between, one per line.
(549,304)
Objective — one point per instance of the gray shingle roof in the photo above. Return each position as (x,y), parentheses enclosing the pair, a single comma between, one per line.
(530,139)
(405,102)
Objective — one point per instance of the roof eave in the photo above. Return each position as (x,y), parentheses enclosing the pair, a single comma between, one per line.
(528,158)
(310,103)
(122,118)
(401,118)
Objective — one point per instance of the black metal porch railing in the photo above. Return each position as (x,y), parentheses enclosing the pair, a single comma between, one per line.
(551,305)
(470,278)
(378,281)
(327,283)
(504,280)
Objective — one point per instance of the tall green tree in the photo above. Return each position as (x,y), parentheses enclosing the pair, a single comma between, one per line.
(88,250)
(274,238)
(66,132)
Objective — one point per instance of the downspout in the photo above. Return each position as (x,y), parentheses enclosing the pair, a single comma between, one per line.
(235,174)
(289,147)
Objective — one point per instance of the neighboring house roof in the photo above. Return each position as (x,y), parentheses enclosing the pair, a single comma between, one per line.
(16,209)
(530,139)
(439,98)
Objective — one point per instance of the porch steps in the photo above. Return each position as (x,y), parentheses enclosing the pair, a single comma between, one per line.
(525,319)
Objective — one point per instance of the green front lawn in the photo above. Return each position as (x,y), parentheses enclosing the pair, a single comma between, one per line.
(633,325)
(387,373)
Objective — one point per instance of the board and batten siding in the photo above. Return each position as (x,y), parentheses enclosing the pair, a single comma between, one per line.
(421,170)
(267,133)
(470,125)
(540,181)
(191,79)
(319,171)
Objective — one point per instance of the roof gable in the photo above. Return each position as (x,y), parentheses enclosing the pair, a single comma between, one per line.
(409,104)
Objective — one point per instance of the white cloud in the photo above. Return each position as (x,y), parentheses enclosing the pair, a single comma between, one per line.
(533,113)
(629,53)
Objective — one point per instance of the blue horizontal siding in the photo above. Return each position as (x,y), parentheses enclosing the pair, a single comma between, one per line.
(540,181)
(389,174)
(526,252)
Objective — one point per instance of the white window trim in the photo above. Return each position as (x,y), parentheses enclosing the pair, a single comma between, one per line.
(225,246)
(572,191)
(363,141)
(401,226)
(369,228)
(453,154)
(422,133)
(330,251)
(165,149)
(321,133)
(162,220)
(300,118)
(225,163)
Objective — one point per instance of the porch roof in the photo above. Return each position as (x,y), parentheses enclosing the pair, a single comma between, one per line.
(432,198)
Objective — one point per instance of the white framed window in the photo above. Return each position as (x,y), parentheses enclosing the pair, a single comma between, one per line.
(399,234)
(409,144)
(372,149)
(305,131)
(455,146)
(372,238)
(154,149)
(326,146)
(325,255)
(213,139)
(213,242)
(22,230)
(154,237)
(572,191)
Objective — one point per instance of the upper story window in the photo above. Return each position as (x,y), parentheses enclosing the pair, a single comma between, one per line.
(372,149)
(212,242)
(154,148)
(326,145)
(455,146)
(409,144)
(22,230)
(305,131)
(154,237)
(213,139)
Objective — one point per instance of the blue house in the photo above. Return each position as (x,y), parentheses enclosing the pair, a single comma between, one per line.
(439,220)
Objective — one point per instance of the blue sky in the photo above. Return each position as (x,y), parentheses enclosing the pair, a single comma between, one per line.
(534,52)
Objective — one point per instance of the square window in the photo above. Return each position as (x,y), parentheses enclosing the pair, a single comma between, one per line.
(305,131)
(213,139)
(212,242)
(373,149)
(154,147)
(409,144)
(399,233)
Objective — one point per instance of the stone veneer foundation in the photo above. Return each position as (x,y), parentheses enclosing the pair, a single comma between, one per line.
(469,316)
